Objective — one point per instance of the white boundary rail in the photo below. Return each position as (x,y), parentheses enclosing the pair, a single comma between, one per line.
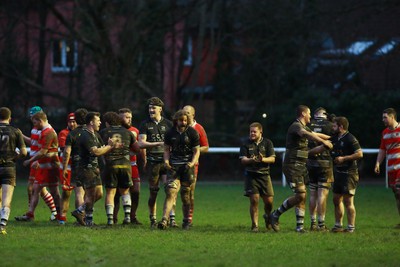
(282,150)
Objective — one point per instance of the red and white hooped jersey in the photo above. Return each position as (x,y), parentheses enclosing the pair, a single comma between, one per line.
(390,142)
(48,140)
(34,148)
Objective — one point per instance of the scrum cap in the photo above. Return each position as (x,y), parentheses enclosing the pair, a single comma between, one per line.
(34,110)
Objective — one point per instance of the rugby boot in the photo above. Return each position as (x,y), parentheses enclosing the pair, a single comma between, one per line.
(173,224)
(313,227)
(53,217)
(135,221)
(110,222)
(80,216)
(27,217)
(162,225)
(62,220)
(254,229)
(153,224)
(268,225)
(186,225)
(301,230)
(322,228)
(337,229)
(126,221)
(3,230)
(274,221)
(90,223)
(349,230)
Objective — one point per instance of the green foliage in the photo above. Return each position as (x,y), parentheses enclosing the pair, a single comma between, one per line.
(220,236)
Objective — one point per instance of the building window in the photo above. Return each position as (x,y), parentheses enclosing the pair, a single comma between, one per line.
(189,60)
(65,56)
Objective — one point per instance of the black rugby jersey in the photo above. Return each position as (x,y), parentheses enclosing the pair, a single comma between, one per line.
(251,149)
(124,139)
(72,141)
(344,146)
(296,145)
(10,139)
(86,141)
(182,144)
(320,126)
(155,132)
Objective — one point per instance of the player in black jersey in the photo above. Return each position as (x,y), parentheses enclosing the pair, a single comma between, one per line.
(151,141)
(10,139)
(90,148)
(294,166)
(117,170)
(320,171)
(71,151)
(181,154)
(256,155)
(346,151)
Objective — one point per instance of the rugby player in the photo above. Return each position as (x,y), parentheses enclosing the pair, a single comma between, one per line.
(256,155)
(151,142)
(11,139)
(294,166)
(320,171)
(117,171)
(346,151)
(390,148)
(181,154)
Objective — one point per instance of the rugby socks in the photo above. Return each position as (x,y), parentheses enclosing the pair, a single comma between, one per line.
(350,228)
(127,204)
(299,217)
(338,225)
(283,208)
(190,216)
(89,217)
(5,214)
(321,221)
(81,209)
(313,218)
(49,200)
(110,214)
(172,215)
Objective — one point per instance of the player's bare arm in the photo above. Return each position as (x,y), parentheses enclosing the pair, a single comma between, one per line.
(167,151)
(355,156)
(144,144)
(66,157)
(379,159)
(37,156)
(313,136)
(195,158)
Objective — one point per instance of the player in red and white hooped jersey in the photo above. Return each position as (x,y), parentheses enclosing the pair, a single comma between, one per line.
(203,141)
(32,141)
(126,116)
(65,181)
(390,147)
(49,163)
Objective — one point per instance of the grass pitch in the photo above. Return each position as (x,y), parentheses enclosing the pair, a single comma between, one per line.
(220,237)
